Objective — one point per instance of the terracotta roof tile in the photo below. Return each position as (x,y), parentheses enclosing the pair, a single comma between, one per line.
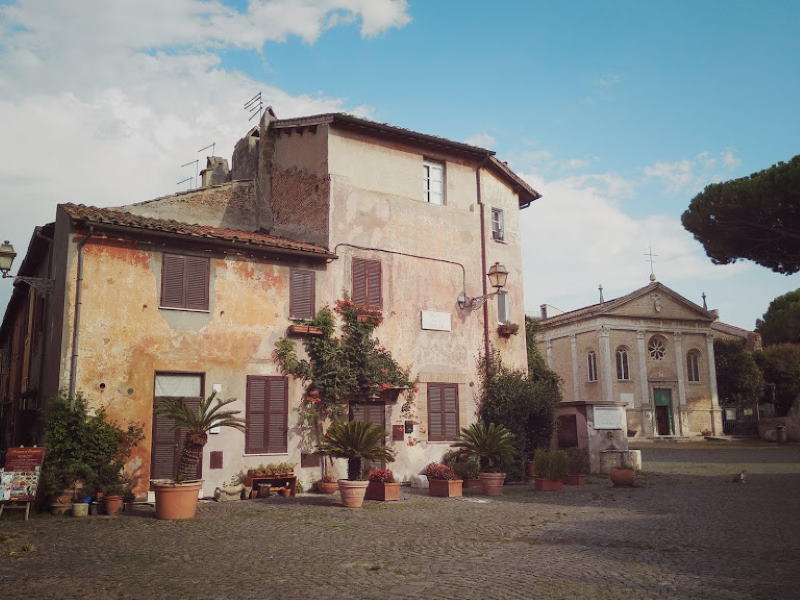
(109,216)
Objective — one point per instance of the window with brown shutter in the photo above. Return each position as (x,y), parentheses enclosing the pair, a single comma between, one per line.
(442,412)
(301,294)
(267,413)
(184,282)
(367,283)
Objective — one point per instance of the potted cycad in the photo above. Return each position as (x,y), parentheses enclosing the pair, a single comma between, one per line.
(492,444)
(357,441)
(177,499)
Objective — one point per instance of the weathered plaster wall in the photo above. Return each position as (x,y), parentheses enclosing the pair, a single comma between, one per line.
(230,205)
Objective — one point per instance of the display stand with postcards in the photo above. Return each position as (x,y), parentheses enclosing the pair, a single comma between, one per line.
(19,479)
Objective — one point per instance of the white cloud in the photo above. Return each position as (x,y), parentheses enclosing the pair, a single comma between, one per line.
(692,174)
(100,102)
(482,140)
(609,80)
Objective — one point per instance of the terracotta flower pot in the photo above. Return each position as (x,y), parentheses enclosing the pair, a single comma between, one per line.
(327,487)
(445,488)
(385,492)
(472,483)
(176,500)
(492,483)
(622,477)
(547,485)
(352,492)
(112,504)
(285,492)
(576,480)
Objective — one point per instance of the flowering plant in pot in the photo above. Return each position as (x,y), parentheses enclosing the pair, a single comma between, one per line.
(357,441)
(466,467)
(578,465)
(492,445)
(382,486)
(177,499)
(443,481)
(551,469)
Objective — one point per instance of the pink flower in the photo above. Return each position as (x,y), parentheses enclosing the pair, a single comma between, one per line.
(313,393)
(415,390)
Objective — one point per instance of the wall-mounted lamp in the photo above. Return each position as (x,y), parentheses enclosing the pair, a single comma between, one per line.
(498,274)
(7,256)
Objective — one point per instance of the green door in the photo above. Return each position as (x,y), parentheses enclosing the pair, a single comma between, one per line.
(662,398)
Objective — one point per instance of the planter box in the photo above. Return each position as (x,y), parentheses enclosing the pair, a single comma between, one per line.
(576,480)
(385,492)
(506,331)
(472,483)
(445,488)
(547,485)
(303,330)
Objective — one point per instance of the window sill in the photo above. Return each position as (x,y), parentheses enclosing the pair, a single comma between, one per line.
(441,442)
(503,241)
(195,310)
(267,454)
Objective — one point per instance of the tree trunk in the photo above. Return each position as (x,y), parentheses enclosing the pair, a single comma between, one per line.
(191,455)
(354,469)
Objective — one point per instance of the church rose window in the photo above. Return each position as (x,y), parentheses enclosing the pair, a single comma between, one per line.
(656,349)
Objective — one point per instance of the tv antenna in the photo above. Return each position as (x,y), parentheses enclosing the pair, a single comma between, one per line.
(188,179)
(212,145)
(254,106)
(196,163)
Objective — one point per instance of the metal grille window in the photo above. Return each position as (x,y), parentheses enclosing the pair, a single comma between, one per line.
(623,373)
(591,360)
(433,181)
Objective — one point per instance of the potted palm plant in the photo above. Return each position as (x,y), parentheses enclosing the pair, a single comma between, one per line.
(551,469)
(492,444)
(357,441)
(177,499)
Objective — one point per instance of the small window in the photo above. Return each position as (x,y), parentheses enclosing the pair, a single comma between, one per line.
(503,307)
(184,282)
(656,349)
(623,374)
(591,360)
(366,289)
(693,365)
(266,415)
(442,412)
(433,181)
(498,225)
(301,294)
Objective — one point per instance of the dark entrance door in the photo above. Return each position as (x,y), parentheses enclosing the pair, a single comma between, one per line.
(662,398)
(567,431)
(370,412)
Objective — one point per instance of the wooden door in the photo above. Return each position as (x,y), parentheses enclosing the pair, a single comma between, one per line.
(662,398)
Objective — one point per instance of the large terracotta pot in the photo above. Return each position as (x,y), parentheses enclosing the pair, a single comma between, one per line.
(113,504)
(176,500)
(622,477)
(547,485)
(576,480)
(472,483)
(385,492)
(445,488)
(352,492)
(492,483)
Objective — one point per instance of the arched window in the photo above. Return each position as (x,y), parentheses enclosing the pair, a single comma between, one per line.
(623,373)
(591,359)
(693,365)
(657,348)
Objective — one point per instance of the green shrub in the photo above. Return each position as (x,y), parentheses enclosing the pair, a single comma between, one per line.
(551,464)
(465,465)
(578,461)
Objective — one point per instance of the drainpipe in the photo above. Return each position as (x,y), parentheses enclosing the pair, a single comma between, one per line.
(486,346)
(76,321)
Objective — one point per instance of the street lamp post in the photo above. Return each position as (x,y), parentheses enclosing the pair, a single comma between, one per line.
(498,275)
(7,256)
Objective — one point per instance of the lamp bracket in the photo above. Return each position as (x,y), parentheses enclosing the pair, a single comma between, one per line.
(41,285)
(467,303)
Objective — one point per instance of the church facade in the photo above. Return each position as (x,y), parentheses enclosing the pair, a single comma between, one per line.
(650,353)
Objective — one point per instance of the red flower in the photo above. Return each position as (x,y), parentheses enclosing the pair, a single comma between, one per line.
(386,386)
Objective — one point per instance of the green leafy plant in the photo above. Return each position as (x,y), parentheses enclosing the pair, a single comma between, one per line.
(551,464)
(197,422)
(578,461)
(357,441)
(490,443)
(465,465)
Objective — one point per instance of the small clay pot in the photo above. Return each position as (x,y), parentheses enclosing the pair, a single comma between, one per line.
(622,477)
(113,505)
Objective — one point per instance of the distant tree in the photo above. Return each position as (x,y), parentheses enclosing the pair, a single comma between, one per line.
(755,217)
(781,322)
(739,378)
(781,367)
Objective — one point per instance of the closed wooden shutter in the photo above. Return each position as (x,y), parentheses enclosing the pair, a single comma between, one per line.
(301,294)
(267,415)
(367,282)
(196,282)
(373,412)
(442,412)
(164,449)
(172,275)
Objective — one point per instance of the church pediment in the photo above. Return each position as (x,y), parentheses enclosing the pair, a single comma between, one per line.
(658,301)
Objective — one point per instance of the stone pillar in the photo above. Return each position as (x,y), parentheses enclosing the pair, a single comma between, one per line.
(716,411)
(644,389)
(549,353)
(605,359)
(680,364)
(573,347)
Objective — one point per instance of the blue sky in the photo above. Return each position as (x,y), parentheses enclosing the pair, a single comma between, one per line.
(618,112)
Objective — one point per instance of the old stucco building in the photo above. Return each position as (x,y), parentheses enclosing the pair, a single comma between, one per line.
(188,293)
(648,356)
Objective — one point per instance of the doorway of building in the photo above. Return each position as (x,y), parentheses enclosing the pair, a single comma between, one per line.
(370,412)
(167,441)
(662,398)
(567,431)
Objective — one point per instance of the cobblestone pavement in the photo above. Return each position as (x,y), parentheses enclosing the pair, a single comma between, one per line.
(687,532)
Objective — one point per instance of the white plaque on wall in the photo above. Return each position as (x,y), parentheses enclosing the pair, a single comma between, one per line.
(608,417)
(436,321)
(627,398)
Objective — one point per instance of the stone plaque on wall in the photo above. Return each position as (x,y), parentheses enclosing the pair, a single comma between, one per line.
(436,321)
(608,417)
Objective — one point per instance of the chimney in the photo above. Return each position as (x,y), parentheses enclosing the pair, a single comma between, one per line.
(543,310)
(216,171)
